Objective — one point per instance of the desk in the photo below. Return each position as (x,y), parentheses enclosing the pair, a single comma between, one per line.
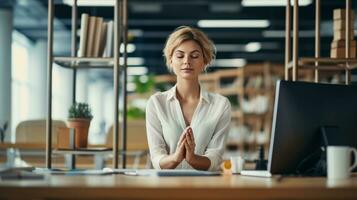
(100,153)
(205,188)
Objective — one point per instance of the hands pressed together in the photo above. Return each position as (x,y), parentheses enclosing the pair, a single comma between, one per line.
(185,149)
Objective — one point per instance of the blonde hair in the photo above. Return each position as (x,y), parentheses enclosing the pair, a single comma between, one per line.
(186,33)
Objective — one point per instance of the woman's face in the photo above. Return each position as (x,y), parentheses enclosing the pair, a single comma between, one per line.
(187,60)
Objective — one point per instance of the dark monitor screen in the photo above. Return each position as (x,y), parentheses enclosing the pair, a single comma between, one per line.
(300,110)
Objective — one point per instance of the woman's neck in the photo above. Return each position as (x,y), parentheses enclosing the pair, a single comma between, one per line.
(188,89)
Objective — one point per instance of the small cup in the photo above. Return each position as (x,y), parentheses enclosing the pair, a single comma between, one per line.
(237,164)
(339,162)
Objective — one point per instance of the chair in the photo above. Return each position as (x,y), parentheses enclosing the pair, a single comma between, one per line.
(137,145)
(30,138)
(34,131)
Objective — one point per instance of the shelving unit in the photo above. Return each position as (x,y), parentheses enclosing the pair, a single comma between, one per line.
(75,63)
(317,63)
(251,81)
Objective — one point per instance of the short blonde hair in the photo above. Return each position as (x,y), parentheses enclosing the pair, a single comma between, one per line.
(186,33)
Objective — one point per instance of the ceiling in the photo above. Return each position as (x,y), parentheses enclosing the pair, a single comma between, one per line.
(151,21)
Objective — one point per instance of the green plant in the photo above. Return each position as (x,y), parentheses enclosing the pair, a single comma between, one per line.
(144,83)
(80,110)
(135,113)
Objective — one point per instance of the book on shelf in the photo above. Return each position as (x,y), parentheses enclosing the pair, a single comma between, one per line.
(97,36)
(340,52)
(342,43)
(341,35)
(109,43)
(341,14)
(83,35)
(91,35)
(339,24)
(102,38)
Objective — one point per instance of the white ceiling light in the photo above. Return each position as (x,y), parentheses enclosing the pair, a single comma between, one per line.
(230,47)
(130,48)
(91,2)
(253,46)
(136,32)
(137,71)
(233,23)
(264,3)
(234,62)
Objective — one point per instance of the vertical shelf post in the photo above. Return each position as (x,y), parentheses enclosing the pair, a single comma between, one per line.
(73,54)
(287,38)
(295,39)
(125,41)
(49,85)
(74,46)
(116,82)
(348,35)
(317,38)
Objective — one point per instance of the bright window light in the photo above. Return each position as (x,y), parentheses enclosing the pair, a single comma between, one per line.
(133,60)
(131,87)
(253,47)
(137,71)
(234,62)
(266,3)
(233,23)
(90,2)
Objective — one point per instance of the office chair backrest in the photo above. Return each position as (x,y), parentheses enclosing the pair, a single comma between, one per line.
(34,131)
(136,135)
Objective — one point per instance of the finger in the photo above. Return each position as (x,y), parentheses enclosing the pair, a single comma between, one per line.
(188,138)
(182,145)
(191,135)
(183,135)
(187,146)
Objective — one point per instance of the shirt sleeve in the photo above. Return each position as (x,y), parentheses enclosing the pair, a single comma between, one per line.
(216,146)
(157,145)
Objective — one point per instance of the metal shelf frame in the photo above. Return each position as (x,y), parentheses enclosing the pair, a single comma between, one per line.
(74,63)
(316,63)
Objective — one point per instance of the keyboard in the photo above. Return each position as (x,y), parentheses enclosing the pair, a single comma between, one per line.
(173,172)
(258,173)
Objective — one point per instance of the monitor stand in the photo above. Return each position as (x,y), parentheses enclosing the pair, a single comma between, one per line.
(317,160)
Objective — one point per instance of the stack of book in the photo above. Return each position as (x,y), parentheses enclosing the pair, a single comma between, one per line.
(96,37)
(338,45)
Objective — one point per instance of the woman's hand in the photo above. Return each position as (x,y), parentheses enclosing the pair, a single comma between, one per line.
(190,146)
(180,152)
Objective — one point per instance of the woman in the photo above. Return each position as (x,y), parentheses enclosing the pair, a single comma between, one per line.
(187,126)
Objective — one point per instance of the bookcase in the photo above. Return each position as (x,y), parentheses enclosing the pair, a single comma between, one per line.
(75,63)
(316,64)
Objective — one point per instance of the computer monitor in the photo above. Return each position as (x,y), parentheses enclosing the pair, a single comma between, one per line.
(300,110)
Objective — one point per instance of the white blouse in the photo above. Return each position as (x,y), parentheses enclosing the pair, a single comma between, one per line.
(165,124)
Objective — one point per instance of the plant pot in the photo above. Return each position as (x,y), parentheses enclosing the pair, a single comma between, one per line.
(81,127)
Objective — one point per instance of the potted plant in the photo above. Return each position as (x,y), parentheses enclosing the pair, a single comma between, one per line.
(79,118)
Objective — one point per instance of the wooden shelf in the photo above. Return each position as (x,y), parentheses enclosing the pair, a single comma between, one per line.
(239,114)
(233,90)
(84,151)
(84,62)
(165,79)
(229,73)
